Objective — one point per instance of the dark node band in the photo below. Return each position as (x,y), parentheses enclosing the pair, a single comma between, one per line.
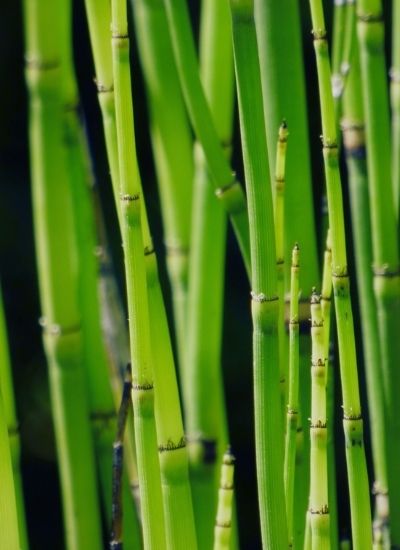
(171,446)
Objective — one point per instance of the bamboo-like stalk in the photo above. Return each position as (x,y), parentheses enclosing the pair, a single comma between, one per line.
(352,419)
(265,301)
(54,235)
(279,218)
(12,516)
(339,24)
(326,297)
(319,510)
(6,389)
(385,246)
(395,103)
(171,443)
(293,394)
(101,405)
(223,522)
(173,152)
(227,188)
(180,531)
(139,322)
(354,146)
(204,400)
(281,63)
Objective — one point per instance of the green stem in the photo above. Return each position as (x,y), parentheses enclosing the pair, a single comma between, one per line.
(293,400)
(279,219)
(227,188)
(54,233)
(385,246)
(352,419)
(354,146)
(173,458)
(173,152)
(139,326)
(204,401)
(265,301)
(223,522)
(319,510)
(326,296)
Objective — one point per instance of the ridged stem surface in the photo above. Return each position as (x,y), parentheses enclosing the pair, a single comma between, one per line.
(385,246)
(265,301)
(223,522)
(56,260)
(352,419)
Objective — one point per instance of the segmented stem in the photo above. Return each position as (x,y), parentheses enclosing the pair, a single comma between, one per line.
(293,400)
(385,245)
(265,301)
(352,419)
(319,510)
(223,522)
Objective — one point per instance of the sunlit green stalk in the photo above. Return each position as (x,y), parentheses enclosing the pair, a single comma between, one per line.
(279,218)
(293,399)
(54,233)
(101,405)
(223,522)
(352,419)
(354,146)
(139,322)
(282,74)
(204,399)
(180,532)
(319,510)
(326,296)
(173,152)
(227,188)
(265,301)
(385,246)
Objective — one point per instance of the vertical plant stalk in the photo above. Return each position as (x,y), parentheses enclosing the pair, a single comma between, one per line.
(385,246)
(352,419)
(7,391)
(173,459)
(265,301)
(339,26)
(227,188)
(54,236)
(279,40)
(205,416)
(395,104)
(326,297)
(319,510)
(279,218)
(223,522)
(354,146)
(12,523)
(139,326)
(173,152)
(293,399)
(101,405)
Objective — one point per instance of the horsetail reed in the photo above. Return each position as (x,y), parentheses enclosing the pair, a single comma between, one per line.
(188,134)
(293,393)
(279,218)
(205,417)
(265,300)
(223,522)
(385,245)
(352,419)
